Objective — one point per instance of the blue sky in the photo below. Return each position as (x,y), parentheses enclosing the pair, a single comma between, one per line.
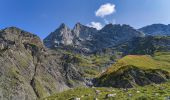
(44,16)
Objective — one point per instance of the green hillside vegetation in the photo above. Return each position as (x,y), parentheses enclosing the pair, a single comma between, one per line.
(164,59)
(91,64)
(141,68)
(149,92)
(159,65)
(161,60)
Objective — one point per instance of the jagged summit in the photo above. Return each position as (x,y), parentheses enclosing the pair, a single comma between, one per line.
(64,36)
(83,31)
(63,26)
(19,36)
(61,36)
(112,35)
(16,30)
(84,37)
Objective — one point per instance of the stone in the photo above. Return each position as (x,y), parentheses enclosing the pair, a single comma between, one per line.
(76,99)
(130,95)
(110,95)
(137,91)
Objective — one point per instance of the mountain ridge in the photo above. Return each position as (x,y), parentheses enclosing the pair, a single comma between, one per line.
(156,29)
(110,35)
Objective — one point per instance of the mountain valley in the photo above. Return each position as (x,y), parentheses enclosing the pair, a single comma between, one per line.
(75,63)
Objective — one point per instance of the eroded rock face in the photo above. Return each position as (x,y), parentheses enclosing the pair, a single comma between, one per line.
(88,39)
(64,36)
(130,76)
(112,35)
(28,70)
(61,36)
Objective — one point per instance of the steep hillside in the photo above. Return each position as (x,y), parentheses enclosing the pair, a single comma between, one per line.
(112,35)
(143,45)
(134,70)
(149,92)
(29,71)
(90,65)
(156,29)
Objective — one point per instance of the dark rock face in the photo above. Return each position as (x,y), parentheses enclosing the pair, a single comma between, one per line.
(64,37)
(83,32)
(112,35)
(61,36)
(129,76)
(28,70)
(88,39)
(156,29)
(144,45)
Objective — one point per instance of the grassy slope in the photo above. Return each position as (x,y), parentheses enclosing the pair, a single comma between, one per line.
(160,60)
(150,92)
(92,64)
(164,59)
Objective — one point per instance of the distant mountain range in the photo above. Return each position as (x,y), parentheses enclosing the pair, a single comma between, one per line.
(89,39)
(156,29)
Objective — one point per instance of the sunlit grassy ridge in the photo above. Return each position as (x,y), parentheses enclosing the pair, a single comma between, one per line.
(161,60)
(164,59)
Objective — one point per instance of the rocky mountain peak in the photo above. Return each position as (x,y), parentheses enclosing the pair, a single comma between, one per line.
(85,37)
(63,26)
(61,36)
(83,31)
(13,30)
(64,36)
(108,26)
(19,36)
(116,34)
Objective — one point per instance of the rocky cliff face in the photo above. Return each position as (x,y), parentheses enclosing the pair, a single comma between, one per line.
(112,35)
(64,36)
(156,29)
(144,45)
(61,36)
(89,39)
(28,70)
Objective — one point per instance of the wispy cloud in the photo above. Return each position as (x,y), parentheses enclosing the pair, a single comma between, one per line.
(96,25)
(106,21)
(105,10)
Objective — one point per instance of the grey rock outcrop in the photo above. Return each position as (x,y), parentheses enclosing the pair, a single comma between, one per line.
(112,35)
(130,76)
(88,39)
(64,36)
(28,70)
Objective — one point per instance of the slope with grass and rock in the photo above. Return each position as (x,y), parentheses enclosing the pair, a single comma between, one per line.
(29,71)
(134,70)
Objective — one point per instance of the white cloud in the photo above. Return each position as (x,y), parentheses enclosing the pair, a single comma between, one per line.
(105,10)
(106,21)
(96,25)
